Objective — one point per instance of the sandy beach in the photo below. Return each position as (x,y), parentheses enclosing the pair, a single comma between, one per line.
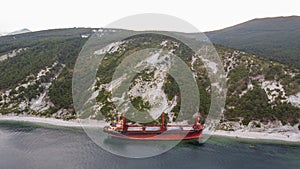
(279,136)
(55,122)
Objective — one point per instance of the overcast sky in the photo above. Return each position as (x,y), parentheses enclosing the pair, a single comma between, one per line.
(205,15)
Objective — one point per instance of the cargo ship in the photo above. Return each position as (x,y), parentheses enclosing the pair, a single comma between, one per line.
(152,132)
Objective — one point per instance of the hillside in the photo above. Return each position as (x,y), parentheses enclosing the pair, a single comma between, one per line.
(36,79)
(36,72)
(274,38)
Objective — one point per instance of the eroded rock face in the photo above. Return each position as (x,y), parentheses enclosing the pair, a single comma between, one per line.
(148,84)
(244,73)
(295,99)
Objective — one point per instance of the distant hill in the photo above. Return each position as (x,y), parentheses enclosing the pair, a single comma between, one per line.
(275,38)
(25,30)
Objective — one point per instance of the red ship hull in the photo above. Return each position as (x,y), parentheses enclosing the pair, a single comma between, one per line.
(155,132)
(160,137)
(167,135)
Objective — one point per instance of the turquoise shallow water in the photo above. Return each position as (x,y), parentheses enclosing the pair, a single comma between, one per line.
(28,146)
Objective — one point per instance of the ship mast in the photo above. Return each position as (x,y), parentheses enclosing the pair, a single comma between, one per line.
(124,122)
(163,122)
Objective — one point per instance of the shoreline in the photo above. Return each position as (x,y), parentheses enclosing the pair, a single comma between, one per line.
(289,136)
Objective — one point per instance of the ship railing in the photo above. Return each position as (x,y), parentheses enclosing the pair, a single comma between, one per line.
(158,128)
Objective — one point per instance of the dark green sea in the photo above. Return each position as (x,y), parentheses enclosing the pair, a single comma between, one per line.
(31,146)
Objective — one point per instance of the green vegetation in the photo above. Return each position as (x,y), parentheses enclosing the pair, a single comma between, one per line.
(254,106)
(108,109)
(274,38)
(40,51)
(140,104)
(171,88)
(238,81)
(60,91)
(9,43)
(32,60)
